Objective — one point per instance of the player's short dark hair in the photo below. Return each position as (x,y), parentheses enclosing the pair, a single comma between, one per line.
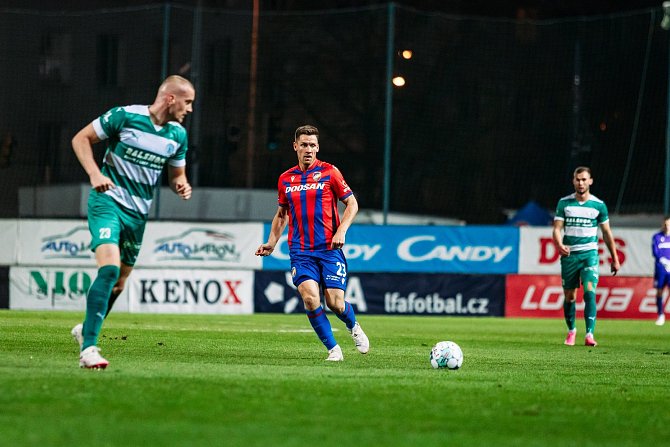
(581,169)
(306,130)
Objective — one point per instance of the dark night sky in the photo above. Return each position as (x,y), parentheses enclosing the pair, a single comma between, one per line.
(531,9)
(539,9)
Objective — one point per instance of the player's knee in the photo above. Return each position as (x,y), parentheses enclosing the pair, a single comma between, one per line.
(338,308)
(311,302)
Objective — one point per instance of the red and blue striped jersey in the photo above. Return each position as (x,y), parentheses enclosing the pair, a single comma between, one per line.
(311,197)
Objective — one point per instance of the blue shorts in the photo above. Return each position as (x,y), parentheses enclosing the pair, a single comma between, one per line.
(661,276)
(327,267)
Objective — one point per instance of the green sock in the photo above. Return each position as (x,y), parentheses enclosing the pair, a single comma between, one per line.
(569,310)
(96,303)
(590,311)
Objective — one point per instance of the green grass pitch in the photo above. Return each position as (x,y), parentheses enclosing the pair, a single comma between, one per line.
(261,380)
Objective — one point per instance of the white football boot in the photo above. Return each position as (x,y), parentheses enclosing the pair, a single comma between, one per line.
(91,358)
(335,354)
(360,339)
(660,321)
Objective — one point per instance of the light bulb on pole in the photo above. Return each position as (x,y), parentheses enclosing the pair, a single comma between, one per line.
(665,23)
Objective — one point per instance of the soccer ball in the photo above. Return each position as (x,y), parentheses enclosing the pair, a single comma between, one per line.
(446,354)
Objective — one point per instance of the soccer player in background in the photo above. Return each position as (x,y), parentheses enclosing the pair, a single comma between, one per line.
(308,195)
(578,216)
(141,141)
(660,248)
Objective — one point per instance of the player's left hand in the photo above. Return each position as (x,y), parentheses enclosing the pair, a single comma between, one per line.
(184,190)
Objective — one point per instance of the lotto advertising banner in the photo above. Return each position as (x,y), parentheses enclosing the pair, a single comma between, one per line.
(53,288)
(191,291)
(538,254)
(394,294)
(8,232)
(616,297)
(166,244)
(447,249)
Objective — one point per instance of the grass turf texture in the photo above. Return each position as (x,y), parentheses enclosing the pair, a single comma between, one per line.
(261,380)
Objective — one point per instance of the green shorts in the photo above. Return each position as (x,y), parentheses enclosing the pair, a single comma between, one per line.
(581,265)
(110,223)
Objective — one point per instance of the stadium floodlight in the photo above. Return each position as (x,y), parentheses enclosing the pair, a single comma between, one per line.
(665,23)
(399,81)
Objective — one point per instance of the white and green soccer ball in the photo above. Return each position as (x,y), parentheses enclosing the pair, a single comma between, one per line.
(446,354)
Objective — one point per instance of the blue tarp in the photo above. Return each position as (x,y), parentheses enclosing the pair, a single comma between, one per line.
(531,214)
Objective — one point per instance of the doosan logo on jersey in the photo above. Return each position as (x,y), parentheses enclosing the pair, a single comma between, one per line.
(298,188)
(410,252)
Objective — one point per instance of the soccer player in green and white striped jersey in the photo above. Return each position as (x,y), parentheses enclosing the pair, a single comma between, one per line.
(141,141)
(578,217)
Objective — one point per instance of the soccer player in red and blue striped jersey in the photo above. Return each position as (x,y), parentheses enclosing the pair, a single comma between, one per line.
(311,198)
(308,195)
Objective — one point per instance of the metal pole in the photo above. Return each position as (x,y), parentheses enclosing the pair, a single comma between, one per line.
(164,71)
(166,41)
(576,145)
(251,117)
(196,62)
(388,115)
(666,193)
(665,24)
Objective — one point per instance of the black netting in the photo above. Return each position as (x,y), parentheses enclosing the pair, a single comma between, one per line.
(494,113)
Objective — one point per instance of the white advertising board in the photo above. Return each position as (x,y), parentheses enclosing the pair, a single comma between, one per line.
(191,291)
(9,247)
(147,290)
(165,244)
(53,288)
(54,242)
(538,254)
(197,245)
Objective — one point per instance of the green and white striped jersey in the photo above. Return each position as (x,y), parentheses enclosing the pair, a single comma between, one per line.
(137,151)
(581,221)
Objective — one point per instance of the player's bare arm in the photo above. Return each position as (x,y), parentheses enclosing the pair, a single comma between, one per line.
(558,238)
(178,182)
(615,266)
(350,211)
(82,145)
(279,222)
